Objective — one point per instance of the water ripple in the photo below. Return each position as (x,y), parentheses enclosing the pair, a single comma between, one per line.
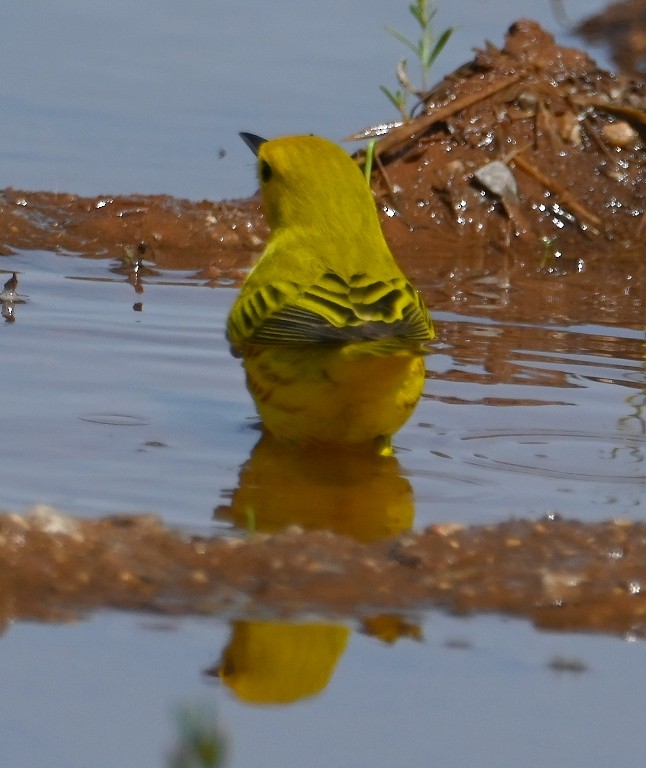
(571,454)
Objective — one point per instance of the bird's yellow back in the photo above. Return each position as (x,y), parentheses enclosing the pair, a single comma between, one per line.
(326,308)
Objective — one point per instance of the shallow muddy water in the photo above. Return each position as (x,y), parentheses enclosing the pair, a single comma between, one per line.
(119,396)
(99,437)
(123,401)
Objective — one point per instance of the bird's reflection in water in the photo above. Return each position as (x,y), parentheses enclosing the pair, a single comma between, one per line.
(9,298)
(353,493)
(279,662)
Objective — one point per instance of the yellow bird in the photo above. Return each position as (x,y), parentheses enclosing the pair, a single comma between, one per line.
(331,333)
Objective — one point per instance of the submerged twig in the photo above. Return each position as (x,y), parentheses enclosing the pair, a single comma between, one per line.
(568,200)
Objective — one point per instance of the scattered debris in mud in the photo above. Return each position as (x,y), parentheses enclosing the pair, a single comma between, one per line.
(532,141)
(559,574)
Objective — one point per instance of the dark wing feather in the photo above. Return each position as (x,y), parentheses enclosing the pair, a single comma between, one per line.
(333,311)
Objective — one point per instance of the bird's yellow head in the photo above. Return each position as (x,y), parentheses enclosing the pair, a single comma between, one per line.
(309,181)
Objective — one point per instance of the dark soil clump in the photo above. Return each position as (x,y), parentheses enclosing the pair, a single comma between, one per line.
(532,142)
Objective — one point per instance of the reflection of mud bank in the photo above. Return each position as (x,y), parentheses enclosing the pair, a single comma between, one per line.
(559,574)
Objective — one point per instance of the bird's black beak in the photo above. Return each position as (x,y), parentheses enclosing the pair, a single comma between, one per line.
(252,141)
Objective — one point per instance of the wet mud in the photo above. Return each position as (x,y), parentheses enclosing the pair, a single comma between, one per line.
(172,233)
(531,143)
(517,191)
(560,574)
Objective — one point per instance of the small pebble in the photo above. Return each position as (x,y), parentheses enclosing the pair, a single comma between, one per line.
(620,134)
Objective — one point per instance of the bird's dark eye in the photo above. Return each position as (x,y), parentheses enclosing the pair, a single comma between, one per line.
(265,170)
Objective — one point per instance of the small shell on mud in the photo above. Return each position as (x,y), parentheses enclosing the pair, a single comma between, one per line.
(620,134)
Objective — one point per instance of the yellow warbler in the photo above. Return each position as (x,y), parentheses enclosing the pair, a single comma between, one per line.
(330,331)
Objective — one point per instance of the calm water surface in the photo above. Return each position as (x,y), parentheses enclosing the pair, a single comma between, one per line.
(485,692)
(107,409)
(120,97)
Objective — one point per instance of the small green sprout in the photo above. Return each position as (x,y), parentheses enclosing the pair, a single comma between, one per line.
(370,157)
(426,50)
(548,250)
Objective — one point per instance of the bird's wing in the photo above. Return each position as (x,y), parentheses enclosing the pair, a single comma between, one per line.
(333,310)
